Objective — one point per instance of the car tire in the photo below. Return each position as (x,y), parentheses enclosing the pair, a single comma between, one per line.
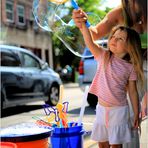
(92,100)
(53,96)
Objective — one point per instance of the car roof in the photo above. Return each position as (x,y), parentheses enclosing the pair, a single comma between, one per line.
(19,49)
(15,48)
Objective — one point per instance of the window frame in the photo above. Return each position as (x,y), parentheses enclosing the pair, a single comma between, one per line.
(18,14)
(9,11)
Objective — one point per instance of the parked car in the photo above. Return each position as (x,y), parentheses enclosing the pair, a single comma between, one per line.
(26,78)
(87,70)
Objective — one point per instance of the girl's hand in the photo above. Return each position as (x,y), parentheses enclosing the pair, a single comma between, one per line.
(136,122)
(79,17)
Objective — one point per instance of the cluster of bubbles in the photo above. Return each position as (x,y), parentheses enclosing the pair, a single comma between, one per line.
(55,16)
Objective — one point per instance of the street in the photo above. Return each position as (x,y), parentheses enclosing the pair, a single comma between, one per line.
(71,93)
(74,96)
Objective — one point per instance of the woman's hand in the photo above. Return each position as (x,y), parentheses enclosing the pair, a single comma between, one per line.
(79,17)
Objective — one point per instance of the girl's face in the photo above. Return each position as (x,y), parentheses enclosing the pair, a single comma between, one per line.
(117,43)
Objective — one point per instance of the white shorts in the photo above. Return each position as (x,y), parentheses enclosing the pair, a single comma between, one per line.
(112,124)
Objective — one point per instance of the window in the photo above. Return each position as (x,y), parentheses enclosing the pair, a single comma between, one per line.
(29,61)
(9,59)
(21,14)
(9,11)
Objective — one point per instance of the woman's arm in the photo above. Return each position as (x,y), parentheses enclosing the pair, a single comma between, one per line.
(103,28)
(113,18)
(133,94)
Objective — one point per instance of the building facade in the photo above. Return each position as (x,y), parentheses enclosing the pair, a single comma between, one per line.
(19,28)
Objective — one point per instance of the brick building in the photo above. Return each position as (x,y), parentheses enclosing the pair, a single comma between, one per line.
(19,28)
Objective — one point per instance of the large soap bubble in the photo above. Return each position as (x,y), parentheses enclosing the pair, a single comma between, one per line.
(55,16)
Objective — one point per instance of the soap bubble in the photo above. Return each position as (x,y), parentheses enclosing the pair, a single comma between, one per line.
(55,16)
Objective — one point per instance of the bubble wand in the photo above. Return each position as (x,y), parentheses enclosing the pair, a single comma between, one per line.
(75,6)
(83,105)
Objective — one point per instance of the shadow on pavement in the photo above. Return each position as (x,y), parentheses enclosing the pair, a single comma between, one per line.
(19,109)
(88,110)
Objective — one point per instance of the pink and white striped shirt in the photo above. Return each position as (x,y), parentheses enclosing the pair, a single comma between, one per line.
(109,83)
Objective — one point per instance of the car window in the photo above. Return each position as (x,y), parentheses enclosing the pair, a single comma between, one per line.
(29,61)
(9,59)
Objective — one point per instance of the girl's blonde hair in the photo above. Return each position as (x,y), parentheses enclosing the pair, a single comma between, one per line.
(134,51)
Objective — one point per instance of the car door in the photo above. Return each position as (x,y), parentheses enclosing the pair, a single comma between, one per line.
(10,72)
(31,69)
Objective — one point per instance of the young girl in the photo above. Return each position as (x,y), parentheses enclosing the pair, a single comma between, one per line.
(118,70)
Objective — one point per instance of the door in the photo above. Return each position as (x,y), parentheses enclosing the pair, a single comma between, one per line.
(35,81)
(10,72)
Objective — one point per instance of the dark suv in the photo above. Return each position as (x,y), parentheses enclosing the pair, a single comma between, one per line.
(26,78)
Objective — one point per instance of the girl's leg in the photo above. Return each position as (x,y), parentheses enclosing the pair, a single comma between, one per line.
(116,146)
(104,144)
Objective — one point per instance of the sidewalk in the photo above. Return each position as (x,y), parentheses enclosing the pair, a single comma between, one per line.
(143,138)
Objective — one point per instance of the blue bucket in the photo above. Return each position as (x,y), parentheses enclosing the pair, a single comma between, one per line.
(71,137)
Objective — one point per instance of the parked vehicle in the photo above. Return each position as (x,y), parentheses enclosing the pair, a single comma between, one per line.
(87,70)
(26,78)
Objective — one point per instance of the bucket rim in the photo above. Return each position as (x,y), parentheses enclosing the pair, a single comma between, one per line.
(24,137)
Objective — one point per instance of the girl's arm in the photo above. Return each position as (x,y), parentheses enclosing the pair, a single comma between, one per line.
(103,28)
(94,48)
(133,94)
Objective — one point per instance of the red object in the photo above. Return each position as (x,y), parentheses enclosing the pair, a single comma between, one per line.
(8,145)
(81,67)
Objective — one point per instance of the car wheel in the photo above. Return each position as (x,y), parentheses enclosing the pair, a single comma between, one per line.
(53,97)
(92,100)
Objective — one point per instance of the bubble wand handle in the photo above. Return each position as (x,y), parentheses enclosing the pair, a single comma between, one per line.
(75,6)
(83,105)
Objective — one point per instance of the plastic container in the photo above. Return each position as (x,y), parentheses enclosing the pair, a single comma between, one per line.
(7,145)
(71,137)
(27,135)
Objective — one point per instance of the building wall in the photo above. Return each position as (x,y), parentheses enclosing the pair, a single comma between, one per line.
(28,35)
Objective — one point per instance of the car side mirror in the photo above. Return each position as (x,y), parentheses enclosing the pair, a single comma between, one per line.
(44,66)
